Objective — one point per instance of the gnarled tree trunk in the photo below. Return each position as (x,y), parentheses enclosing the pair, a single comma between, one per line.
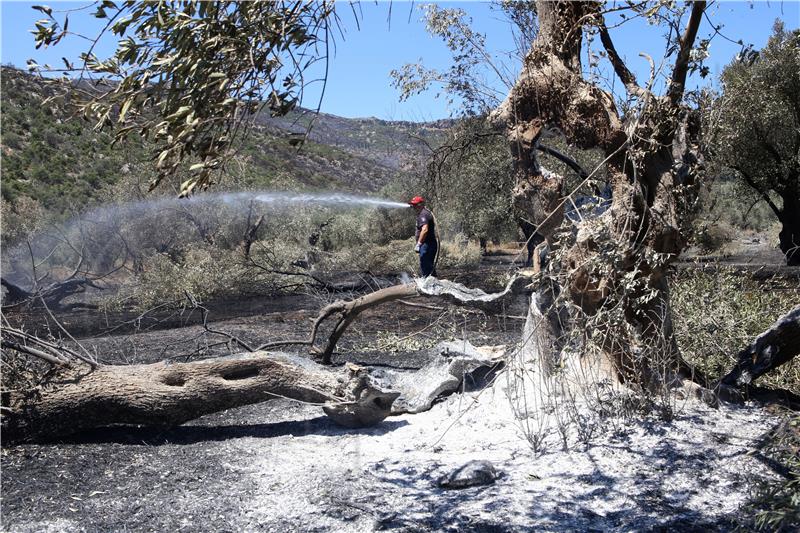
(615,269)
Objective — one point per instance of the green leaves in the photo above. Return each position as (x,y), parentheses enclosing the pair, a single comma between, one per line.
(192,75)
(44,9)
(757,117)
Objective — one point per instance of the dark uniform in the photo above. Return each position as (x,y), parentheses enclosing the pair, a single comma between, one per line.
(428,249)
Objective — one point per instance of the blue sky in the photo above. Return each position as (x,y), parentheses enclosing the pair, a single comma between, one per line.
(358,82)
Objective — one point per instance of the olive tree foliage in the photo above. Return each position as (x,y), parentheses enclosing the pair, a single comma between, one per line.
(756,129)
(191,75)
(477,80)
(468,176)
(468,181)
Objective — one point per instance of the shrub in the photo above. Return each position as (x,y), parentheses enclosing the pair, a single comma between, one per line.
(399,256)
(731,204)
(203,272)
(713,237)
(459,252)
(395,256)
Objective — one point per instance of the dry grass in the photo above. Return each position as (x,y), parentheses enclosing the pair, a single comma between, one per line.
(716,314)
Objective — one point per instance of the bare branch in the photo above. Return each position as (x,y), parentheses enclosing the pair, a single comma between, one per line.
(752,183)
(678,82)
(34,352)
(627,77)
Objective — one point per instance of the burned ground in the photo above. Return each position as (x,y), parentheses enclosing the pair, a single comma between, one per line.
(284,466)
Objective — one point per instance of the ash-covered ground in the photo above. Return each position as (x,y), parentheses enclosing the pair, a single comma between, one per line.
(284,466)
(280,466)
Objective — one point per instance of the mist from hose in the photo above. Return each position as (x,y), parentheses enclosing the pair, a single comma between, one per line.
(107,228)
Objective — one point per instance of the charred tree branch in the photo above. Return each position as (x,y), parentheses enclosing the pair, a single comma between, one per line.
(752,183)
(564,158)
(625,75)
(347,311)
(678,82)
(774,347)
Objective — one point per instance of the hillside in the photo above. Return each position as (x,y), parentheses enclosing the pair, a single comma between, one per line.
(59,160)
(393,144)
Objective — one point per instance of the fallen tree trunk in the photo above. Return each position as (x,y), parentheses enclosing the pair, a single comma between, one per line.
(52,295)
(348,311)
(164,394)
(774,347)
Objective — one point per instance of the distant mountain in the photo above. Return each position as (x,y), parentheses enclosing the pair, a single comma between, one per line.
(394,144)
(62,162)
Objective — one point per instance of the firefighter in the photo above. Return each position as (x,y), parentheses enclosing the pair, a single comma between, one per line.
(425,241)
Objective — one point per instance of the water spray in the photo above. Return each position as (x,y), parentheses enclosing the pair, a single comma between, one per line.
(325,199)
(110,218)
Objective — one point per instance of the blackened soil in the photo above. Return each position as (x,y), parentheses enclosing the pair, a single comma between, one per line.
(188,478)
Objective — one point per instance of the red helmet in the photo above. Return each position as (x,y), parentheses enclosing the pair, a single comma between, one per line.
(417,200)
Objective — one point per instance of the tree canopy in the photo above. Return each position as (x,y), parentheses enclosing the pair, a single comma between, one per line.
(757,132)
(192,74)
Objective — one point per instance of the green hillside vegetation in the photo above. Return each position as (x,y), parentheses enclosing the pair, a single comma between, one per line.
(50,156)
(57,159)
(395,144)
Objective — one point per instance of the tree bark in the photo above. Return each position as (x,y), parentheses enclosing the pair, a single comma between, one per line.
(250,234)
(165,394)
(545,329)
(614,271)
(774,347)
(789,237)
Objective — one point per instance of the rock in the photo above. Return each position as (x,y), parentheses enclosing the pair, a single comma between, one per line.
(472,474)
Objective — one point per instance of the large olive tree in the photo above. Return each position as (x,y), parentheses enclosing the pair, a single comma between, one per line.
(614,270)
(757,129)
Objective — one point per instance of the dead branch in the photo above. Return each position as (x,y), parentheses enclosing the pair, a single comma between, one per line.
(53,294)
(205,313)
(250,235)
(34,352)
(60,351)
(86,359)
(421,306)
(774,347)
(625,75)
(347,311)
(15,294)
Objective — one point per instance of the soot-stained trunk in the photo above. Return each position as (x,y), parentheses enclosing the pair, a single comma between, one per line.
(615,269)
(789,237)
